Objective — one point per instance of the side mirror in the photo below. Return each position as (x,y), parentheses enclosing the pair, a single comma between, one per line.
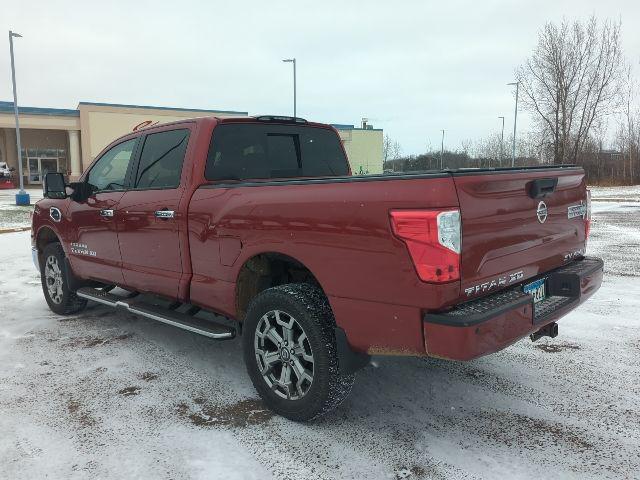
(81,191)
(54,186)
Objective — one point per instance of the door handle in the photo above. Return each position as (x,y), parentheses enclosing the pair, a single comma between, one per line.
(106,213)
(165,214)
(542,186)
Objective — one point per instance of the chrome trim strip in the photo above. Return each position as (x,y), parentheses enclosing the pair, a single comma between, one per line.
(165,213)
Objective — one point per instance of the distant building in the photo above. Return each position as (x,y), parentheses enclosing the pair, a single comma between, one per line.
(610,156)
(363,146)
(67,140)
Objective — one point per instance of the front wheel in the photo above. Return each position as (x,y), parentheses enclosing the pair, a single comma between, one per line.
(290,352)
(53,276)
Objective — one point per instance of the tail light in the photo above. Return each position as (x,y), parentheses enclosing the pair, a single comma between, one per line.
(433,240)
(587,218)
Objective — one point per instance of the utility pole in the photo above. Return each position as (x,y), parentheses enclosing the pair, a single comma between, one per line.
(442,152)
(515,122)
(22,197)
(293,60)
(502,142)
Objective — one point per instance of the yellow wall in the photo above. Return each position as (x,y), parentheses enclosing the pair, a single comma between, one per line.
(102,124)
(48,122)
(364,150)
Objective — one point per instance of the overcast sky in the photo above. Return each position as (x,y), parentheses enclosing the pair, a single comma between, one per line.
(413,68)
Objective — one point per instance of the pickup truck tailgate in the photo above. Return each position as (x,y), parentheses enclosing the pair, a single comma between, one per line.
(516,225)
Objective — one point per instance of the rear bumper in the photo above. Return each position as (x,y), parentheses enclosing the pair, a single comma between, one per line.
(494,322)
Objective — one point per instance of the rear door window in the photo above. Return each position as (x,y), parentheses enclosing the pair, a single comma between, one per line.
(256,151)
(161,159)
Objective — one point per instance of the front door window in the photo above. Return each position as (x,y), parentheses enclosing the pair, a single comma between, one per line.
(110,171)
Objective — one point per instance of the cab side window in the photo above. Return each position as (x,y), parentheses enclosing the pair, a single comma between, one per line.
(161,159)
(260,151)
(110,171)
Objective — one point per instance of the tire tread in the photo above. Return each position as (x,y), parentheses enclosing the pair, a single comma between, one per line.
(72,303)
(316,306)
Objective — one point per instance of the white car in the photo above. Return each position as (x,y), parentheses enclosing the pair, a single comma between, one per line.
(5,171)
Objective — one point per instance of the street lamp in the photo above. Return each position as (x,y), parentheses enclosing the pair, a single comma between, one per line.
(22,197)
(442,151)
(515,121)
(293,60)
(502,141)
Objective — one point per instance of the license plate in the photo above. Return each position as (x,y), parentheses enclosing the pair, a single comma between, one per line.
(536,290)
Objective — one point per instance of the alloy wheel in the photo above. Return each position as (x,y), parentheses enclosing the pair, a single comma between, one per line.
(53,279)
(284,355)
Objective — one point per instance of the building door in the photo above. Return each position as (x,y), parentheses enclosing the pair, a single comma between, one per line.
(34,171)
(38,168)
(48,165)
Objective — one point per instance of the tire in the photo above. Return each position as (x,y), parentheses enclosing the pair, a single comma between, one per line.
(309,350)
(53,276)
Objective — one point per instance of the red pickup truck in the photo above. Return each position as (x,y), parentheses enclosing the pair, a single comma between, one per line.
(256,227)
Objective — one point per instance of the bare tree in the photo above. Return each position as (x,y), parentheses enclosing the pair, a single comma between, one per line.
(391,149)
(572,81)
(628,135)
(489,150)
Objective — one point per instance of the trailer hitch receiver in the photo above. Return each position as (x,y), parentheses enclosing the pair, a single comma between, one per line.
(550,330)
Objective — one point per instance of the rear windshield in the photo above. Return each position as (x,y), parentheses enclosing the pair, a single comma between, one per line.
(255,151)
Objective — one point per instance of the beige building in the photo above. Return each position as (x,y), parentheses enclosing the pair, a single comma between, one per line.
(67,140)
(364,148)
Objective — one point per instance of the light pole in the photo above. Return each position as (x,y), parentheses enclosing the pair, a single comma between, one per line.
(515,122)
(502,141)
(293,60)
(442,151)
(22,197)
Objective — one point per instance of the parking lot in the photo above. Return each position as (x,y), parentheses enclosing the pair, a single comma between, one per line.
(110,395)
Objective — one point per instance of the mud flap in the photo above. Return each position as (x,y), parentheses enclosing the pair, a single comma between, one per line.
(348,360)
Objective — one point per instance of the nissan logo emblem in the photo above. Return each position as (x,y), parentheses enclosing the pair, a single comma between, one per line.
(542,212)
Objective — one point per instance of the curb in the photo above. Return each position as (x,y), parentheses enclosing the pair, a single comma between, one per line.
(13,230)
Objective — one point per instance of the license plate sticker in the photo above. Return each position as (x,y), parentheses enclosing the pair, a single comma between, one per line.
(536,290)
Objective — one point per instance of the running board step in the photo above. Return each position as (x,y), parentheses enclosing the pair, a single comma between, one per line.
(139,306)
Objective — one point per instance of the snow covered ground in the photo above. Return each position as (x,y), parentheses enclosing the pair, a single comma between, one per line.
(12,216)
(112,396)
(630,193)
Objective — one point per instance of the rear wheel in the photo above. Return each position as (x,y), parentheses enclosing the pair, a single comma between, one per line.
(53,276)
(290,352)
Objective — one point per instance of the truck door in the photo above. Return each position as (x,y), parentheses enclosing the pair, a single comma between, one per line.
(150,223)
(93,249)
